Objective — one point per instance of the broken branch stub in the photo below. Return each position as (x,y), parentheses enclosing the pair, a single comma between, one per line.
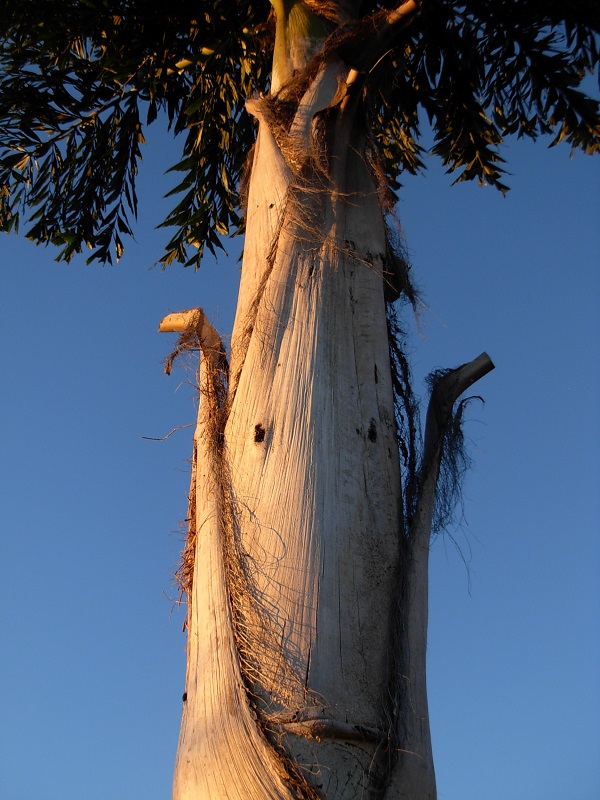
(196,333)
(193,320)
(446,391)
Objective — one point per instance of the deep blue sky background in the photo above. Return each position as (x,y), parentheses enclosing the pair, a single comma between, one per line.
(93,656)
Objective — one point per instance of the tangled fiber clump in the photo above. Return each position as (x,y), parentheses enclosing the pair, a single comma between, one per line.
(454,462)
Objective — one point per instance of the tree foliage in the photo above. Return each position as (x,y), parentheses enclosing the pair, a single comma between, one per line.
(79,82)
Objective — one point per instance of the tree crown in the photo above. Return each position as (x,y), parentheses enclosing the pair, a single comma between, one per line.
(79,81)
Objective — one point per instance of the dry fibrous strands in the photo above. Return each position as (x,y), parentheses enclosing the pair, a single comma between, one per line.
(196,333)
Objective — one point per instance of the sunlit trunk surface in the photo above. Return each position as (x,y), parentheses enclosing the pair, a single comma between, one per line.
(299,661)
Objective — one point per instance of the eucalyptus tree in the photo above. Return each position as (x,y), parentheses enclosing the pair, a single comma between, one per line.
(312,499)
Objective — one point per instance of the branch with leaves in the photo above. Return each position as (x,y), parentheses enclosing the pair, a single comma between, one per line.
(79,82)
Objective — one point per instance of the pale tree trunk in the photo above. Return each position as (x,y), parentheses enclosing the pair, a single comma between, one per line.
(308,606)
(311,447)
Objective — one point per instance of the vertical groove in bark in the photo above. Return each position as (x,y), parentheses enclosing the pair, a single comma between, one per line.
(264,210)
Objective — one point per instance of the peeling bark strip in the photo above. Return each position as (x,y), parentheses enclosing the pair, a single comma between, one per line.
(219,725)
(308,605)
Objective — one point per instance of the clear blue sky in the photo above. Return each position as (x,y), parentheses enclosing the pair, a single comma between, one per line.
(93,657)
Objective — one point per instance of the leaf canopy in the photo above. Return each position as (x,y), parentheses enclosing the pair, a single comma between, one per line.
(79,81)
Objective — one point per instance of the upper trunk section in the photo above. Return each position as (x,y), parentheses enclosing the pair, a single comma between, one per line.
(311,448)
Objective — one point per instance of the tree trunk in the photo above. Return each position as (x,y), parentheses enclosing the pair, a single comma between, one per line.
(308,606)
(311,444)
(301,517)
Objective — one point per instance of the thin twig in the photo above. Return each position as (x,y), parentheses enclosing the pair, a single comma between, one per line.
(162,438)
